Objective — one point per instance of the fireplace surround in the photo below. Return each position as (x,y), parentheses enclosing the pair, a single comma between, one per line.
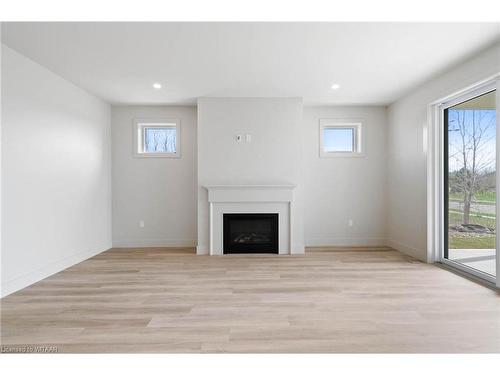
(250,199)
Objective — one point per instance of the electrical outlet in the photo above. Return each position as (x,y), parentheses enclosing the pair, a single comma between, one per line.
(141,224)
(350,222)
(248,138)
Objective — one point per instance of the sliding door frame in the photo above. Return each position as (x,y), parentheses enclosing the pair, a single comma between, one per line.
(434,145)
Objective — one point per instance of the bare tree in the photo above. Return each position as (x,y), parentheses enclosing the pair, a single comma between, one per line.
(470,151)
(169,141)
(157,136)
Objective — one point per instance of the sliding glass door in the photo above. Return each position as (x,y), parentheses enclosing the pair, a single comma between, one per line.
(470,143)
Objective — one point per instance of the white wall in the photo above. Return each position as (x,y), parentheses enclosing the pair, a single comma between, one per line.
(56,185)
(340,189)
(283,145)
(407,159)
(273,157)
(160,191)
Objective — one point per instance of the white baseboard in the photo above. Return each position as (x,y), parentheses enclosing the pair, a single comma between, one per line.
(155,242)
(346,241)
(420,254)
(298,249)
(30,278)
(202,250)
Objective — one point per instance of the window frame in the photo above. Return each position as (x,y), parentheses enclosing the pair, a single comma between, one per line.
(139,129)
(439,142)
(433,142)
(358,140)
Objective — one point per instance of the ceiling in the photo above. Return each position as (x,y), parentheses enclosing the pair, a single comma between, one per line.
(375,63)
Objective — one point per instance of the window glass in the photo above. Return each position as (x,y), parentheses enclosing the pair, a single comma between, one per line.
(338,139)
(470,194)
(160,139)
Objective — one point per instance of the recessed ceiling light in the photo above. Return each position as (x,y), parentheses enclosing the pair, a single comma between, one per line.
(157,85)
(335,86)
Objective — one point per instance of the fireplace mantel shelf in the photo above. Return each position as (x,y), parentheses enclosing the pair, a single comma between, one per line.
(250,193)
(249,187)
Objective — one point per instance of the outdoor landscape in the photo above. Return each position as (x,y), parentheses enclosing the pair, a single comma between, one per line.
(482,214)
(472,183)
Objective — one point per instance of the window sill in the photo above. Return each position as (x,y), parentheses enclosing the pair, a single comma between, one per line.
(327,155)
(157,155)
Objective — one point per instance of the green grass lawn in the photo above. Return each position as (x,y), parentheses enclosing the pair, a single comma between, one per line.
(483,197)
(455,218)
(485,241)
(471,241)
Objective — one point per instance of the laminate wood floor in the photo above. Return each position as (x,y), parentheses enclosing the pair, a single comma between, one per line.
(329,300)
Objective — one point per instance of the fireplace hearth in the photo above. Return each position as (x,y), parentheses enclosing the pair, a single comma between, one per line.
(250,233)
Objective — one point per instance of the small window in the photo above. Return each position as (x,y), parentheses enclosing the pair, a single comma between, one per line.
(157,138)
(340,138)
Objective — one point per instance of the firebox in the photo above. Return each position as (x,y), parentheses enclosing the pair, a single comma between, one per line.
(250,233)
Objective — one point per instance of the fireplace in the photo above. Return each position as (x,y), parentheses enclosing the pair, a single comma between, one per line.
(250,233)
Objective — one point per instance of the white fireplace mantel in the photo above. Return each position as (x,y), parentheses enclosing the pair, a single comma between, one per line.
(250,199)
(250,193)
